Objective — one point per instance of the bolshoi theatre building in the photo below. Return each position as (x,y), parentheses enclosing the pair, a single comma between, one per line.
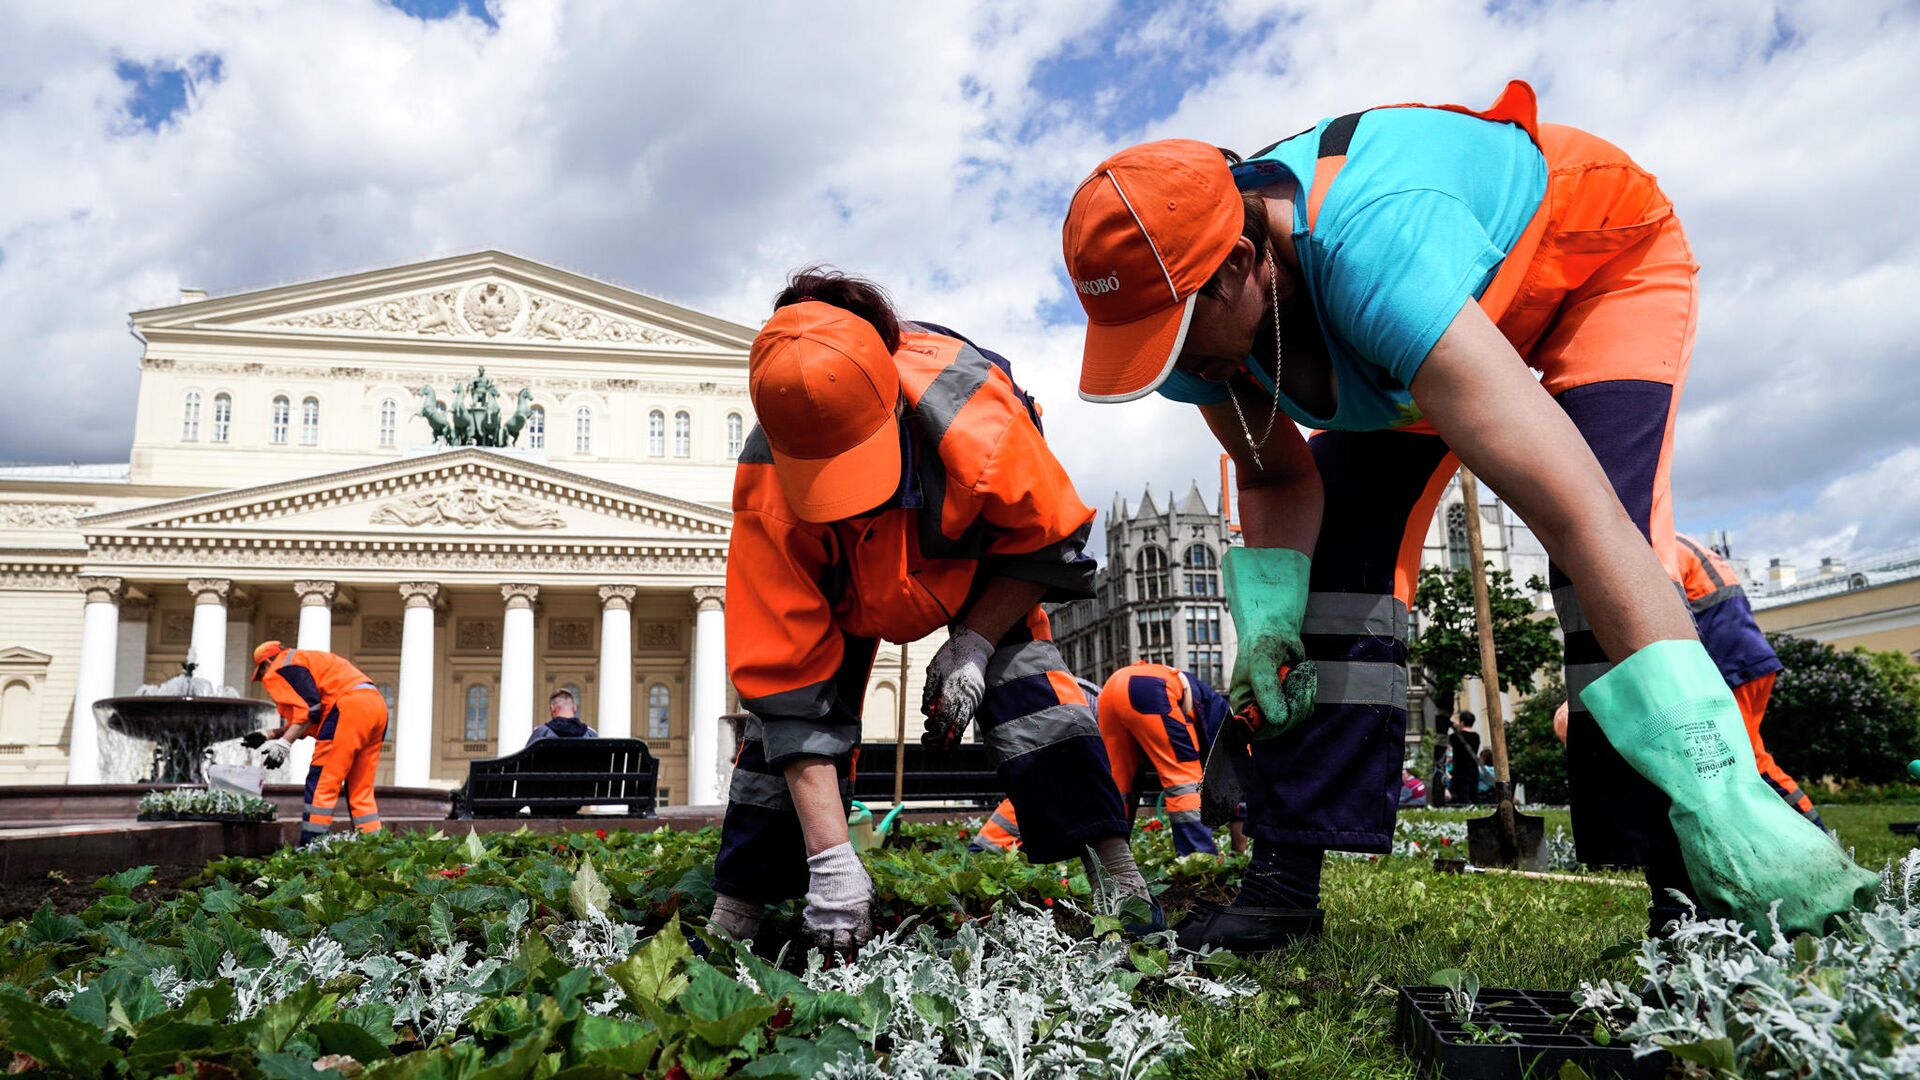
(285,484)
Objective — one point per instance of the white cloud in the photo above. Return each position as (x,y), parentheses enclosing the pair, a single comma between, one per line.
(699,152)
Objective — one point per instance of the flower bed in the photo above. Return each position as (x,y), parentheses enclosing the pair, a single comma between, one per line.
(202,804)
(424,956)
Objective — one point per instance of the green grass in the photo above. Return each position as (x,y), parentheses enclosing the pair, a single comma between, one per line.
(1328,1007)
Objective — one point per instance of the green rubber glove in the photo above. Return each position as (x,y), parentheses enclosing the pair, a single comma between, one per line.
(1669,713)
(1267,596)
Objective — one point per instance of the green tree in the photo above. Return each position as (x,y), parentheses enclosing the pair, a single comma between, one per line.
(1448,646)
(1538,758)
(1852,715)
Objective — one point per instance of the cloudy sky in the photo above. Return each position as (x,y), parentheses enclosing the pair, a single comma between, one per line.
(699,151)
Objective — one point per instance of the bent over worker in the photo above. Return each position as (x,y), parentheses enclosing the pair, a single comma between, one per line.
(1740,650)
(322,695)
(1150,714)
(897,483)
(1426,286)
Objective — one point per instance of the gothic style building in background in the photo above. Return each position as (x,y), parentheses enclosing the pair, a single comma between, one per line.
(282,484)
(1160,599)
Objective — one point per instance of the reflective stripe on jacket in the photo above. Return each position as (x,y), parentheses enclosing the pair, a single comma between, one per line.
(305,684)
(979,490)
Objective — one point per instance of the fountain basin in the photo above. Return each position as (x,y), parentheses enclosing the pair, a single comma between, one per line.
(182,726)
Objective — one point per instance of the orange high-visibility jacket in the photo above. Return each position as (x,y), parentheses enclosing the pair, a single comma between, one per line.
(1723,616)
(980,490)
(306,683)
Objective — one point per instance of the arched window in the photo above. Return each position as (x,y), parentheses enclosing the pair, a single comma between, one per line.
(386,694)
(736,435)
(282,409)
(190,417)
(583,430)
(537,428)
(479,713)
(1203,571)
(1151,565)
(310,422)
(389,420)
(682,434)
(222,417)
(659,712)
(1458,553)
(657,434)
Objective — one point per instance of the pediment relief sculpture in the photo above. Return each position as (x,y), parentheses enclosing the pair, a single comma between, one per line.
(494,309)
(470,507)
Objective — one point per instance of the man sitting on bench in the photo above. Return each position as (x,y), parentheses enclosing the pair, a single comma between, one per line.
(563,720)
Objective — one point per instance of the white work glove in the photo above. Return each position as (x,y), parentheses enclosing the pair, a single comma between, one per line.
(839,912)
(275,753)
(956,681)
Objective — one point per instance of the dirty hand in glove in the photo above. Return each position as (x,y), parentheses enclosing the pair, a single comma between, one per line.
(839,914)
(1267,597)
(956,682)
(253,740)
(275,753)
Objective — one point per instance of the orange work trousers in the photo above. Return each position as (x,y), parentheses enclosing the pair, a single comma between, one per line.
(346,754)
(1753,697)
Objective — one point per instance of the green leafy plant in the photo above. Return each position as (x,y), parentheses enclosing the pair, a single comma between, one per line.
(1447,647)
(183,802)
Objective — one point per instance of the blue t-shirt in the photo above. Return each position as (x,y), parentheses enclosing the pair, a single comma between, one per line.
(1415,226)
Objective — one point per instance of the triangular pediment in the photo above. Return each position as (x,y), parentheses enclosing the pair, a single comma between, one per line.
(488,297)
(19,656)
(465,495)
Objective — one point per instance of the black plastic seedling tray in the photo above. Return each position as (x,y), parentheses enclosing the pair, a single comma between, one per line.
(218,819)
(1905,828)
(1543,1036)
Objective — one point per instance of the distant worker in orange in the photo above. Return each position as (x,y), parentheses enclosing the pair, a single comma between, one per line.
(322,695)
(1740,650)
(1150,714)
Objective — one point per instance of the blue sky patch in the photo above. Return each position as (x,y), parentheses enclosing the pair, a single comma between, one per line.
(430,10)
(161,90)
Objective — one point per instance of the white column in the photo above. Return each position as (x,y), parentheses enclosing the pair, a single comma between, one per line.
(709,698)
(131,669)
(413,724)
(316,615)
(615,720)
(516,668)
(210,627)
(99,638)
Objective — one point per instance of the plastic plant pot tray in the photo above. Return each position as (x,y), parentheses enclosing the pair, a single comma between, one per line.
(1905,828)
(1541,1034)
(218,819)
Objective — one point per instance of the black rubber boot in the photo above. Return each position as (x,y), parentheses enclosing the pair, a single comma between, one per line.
(1248,929)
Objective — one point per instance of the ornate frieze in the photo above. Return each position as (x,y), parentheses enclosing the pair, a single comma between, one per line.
(412,376)
(660,635)
(476,635)
(176,627)
(492,309)
(470,507)
(355,555)
(380,634)
(41,515)
(570,635)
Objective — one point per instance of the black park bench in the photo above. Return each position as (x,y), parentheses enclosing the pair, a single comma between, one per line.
(556,777)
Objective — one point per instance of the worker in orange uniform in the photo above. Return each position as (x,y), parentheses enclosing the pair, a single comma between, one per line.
(897,483)
(323,695)
(1150,714)
(1426,286)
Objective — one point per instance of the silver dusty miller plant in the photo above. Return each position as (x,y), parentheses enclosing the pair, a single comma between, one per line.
(1012,997)
(1842,1006)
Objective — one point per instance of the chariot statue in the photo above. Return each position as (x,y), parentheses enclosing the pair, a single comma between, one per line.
(471,415)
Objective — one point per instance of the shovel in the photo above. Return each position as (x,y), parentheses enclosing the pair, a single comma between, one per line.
(1507,837)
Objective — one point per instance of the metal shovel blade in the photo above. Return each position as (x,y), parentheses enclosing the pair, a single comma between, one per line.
(1508,838)
(1223,786)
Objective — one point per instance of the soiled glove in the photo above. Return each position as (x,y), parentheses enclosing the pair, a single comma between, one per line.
(275,753)
(253,740)
(839,912)
(1667,710)
(1267,596)
(956,682)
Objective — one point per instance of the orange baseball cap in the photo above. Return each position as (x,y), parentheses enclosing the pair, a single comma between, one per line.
(824,388)
(1144,232)
(266,651)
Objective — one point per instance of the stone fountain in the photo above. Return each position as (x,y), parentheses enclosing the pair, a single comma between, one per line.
(181,719)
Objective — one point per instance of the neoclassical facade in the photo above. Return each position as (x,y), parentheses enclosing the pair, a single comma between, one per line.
(283,485)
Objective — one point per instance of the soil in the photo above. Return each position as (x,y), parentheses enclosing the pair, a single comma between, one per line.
(70,897)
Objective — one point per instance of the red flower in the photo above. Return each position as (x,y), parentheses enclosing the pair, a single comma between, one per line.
(1047,900)
(1446,841)
(1153,825)
(781,1018)
(600,834)
(676,1073)
(458,871)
